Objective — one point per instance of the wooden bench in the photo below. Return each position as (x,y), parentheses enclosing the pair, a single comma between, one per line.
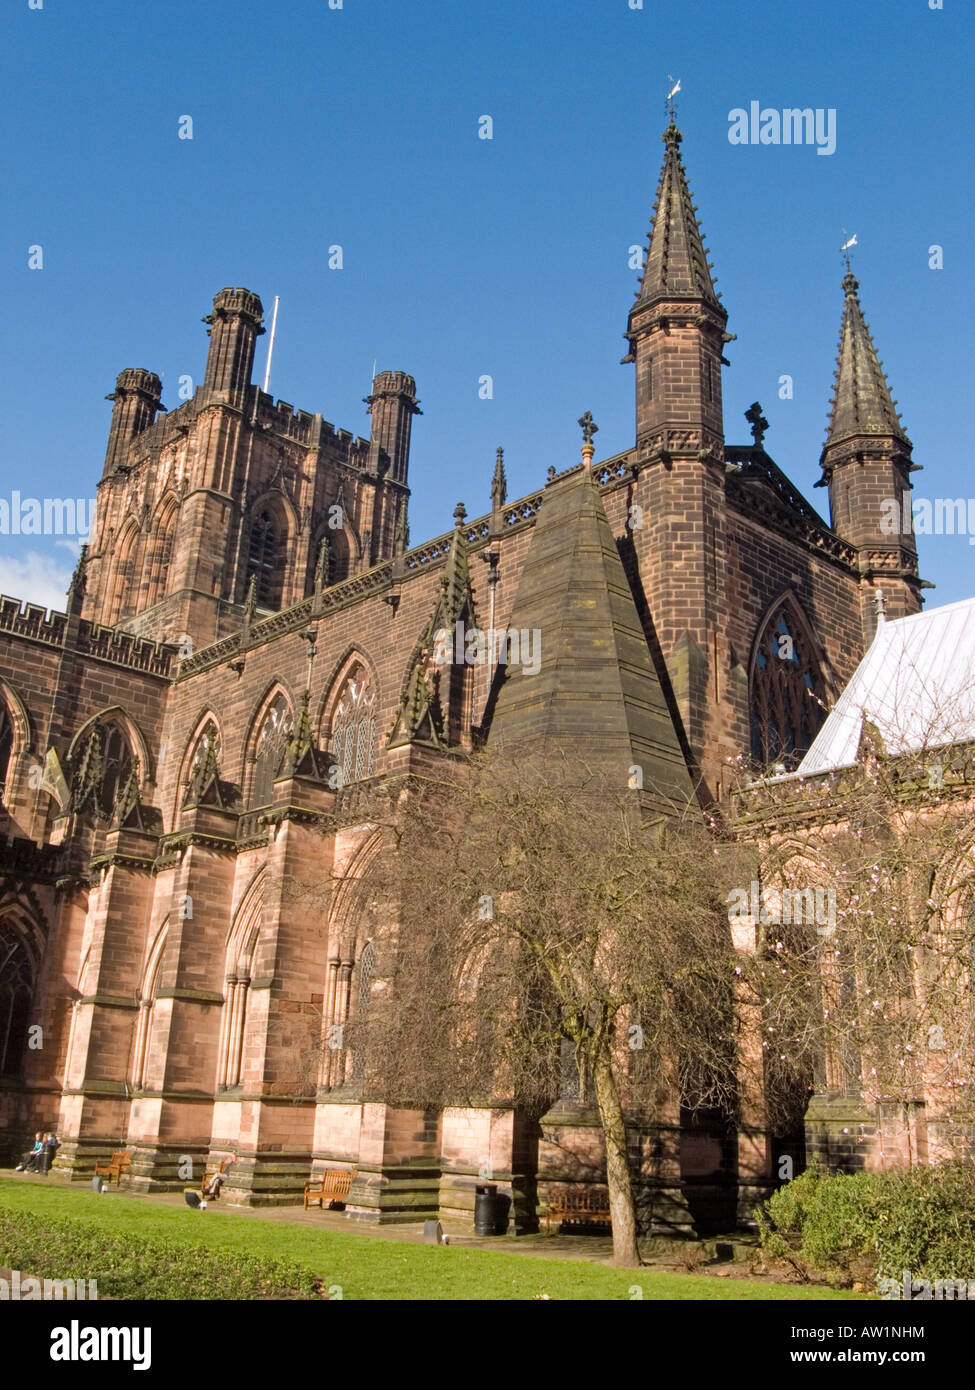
(332,1186)
(217,1172)
(115,1169)
(577,1206)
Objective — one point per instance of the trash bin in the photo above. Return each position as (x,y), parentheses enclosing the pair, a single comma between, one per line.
(490,1210)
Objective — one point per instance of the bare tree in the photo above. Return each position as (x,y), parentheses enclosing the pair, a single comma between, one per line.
(529,908)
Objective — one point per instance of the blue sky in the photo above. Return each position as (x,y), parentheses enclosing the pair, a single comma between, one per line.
(465,257)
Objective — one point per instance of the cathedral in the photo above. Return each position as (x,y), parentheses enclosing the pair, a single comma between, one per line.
(245,647)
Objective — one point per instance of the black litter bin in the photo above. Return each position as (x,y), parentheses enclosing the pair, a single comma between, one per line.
(490,1210)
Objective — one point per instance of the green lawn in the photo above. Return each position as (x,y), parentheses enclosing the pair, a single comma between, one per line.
(372,1267)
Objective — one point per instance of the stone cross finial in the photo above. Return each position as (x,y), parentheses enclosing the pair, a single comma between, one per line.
(758,423)
(589,427)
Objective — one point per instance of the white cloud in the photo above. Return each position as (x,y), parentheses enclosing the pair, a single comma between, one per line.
(35,578)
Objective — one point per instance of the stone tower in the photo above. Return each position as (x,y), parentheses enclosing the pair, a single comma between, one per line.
(233,493)
(234,327)
(676,333)
(136,401)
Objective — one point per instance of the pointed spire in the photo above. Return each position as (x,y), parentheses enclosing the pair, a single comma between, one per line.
(499,483)
(250,602)
(321,565)
(300,754)
(456,580)
(677,263)
(419,718)
(126,813)
(79,583)
(204,786)
(861,403)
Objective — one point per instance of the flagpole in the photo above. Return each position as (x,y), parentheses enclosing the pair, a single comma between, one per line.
(270,345)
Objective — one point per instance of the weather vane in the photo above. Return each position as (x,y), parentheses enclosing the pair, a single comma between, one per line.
(845,248)
(674,89)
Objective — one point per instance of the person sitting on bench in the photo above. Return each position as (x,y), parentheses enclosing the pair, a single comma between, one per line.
(30,1161)
(213,1184)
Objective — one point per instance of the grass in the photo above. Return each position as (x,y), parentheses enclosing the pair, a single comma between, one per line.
(371,1267)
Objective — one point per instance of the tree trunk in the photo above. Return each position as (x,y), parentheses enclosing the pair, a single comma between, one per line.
(621,1209)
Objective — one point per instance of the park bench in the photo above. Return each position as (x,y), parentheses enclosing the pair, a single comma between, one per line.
(115,1169)
(577,1206)
(332,1186)
(215,1172)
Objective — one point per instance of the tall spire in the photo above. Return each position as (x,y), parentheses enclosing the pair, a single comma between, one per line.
(862,403)
(867,463)
(499,483)
(677,265)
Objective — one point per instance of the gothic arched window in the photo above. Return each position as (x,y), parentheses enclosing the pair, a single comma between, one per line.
(787,692)
(103,768)
(161,556)
(6,749)
(265,559)
(271,744)
(367,965)
(16,993)
(116,765)
(354,727)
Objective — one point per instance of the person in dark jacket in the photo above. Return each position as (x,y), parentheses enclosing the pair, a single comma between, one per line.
(51,1145)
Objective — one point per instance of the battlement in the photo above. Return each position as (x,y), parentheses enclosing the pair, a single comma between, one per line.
(38,624)
(32,621)
(282,417)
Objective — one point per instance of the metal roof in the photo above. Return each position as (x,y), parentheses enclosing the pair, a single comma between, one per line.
(916,685)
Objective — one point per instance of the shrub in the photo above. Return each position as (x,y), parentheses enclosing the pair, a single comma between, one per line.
(150,1268)
(873,1225)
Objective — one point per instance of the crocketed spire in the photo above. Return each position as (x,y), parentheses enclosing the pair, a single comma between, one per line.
(677,265)
(861,403)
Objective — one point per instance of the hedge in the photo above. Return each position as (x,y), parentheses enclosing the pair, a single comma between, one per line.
(870,1226)
(150,1268)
